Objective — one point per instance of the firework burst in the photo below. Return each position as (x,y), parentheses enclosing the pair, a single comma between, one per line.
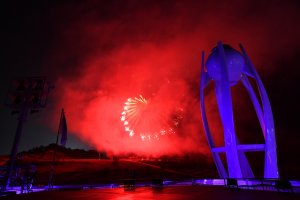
(142,118)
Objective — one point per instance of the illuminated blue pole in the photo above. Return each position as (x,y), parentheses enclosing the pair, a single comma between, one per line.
(271,168)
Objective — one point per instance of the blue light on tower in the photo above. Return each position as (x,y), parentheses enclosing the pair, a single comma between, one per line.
(226,66)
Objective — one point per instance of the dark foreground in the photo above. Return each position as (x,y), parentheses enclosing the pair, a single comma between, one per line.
(166,193)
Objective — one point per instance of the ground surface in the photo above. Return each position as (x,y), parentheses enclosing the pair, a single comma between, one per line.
(167,193)
(94,171)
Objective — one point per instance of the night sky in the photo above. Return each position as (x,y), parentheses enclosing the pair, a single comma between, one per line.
(99,53)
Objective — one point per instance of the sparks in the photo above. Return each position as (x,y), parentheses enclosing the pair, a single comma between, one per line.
(141,118)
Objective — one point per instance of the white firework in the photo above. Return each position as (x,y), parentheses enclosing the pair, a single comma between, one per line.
(140,118)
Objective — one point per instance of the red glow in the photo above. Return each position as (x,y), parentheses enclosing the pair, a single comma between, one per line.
(94,114)
(152,50)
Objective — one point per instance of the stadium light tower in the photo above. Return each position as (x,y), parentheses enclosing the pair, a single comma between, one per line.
(28,95)
(226,66)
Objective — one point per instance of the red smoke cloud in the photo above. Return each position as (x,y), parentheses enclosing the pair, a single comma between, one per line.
(109,52)
(95,113)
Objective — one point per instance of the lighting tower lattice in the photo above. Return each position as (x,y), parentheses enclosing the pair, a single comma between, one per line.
(28,95)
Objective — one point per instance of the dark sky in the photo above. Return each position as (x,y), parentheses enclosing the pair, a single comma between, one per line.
(99,53)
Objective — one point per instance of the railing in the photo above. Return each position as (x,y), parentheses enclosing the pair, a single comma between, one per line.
(278,185)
